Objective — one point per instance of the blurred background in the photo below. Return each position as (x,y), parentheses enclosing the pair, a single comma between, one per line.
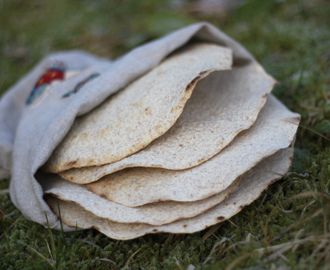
(270,29)
(291,38)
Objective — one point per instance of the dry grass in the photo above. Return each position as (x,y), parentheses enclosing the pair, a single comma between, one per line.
(286,228)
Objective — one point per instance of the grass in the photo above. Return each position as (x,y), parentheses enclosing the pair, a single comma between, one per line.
(287,227)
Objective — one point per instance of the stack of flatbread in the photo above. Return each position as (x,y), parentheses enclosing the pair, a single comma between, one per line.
(186,146)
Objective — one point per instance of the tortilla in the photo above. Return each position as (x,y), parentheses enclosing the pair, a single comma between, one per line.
(249,189)
(222,105)
(274,129)
(154,214)
(145,110)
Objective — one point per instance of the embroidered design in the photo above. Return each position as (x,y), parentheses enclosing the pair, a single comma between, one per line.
(50,75)
(80,85)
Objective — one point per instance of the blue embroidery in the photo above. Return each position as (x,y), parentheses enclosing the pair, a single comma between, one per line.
(80,85)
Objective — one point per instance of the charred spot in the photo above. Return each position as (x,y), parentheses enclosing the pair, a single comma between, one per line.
(181,145)
(242,206)
(192,83)
(71,163)
(195,79)
(155,230)
(185,226)
(234,203)
(203,72)
(220,218)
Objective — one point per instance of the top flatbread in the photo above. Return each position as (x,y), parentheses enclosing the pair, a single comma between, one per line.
(222,105)
(145,110)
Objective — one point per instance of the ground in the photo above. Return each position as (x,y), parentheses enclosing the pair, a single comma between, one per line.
(286,228)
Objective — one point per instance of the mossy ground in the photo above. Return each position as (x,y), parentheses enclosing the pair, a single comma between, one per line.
(286,228)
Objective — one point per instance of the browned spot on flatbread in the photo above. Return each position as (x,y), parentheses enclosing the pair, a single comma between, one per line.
(90,162)
(192,83)
(201,75)
(189,89)
(76,163)
(220,218)
(83,136)
(201,160)
(242,206)
(147,111)
(71,163)
(203,72)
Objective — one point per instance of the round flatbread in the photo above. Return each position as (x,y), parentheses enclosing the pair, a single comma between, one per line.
(145,110)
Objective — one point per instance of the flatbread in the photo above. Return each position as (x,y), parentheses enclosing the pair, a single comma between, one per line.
(274,129)
(250,188)
(154,214)
(222,105)
(145,110)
